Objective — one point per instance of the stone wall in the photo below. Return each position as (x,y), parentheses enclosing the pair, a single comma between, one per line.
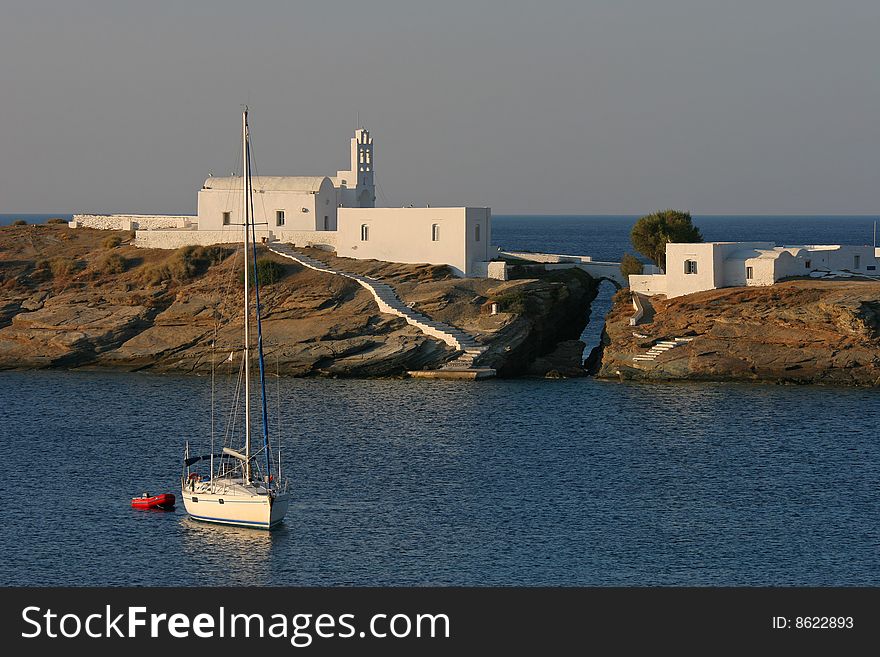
(130,221)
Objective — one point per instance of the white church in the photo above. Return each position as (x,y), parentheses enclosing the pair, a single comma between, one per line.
(337,213)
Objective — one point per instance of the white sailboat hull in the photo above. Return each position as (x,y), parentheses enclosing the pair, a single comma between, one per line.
(228,507)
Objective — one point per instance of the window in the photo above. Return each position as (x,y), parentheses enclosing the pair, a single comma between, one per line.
(749,273)
(857,261)
(279,217)
(477,233)
(871,267)
(808,264)
(365,232)
(326,222)
(690,266)
(435,233)
(227,218)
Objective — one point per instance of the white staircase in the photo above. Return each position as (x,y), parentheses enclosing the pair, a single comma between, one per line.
(388,302)
(660,347)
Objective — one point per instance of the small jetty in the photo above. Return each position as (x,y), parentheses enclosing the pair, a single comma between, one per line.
(455,373)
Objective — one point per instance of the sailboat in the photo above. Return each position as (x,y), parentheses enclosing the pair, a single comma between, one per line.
(240,487)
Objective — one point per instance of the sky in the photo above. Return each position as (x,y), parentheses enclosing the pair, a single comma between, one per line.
(587,107)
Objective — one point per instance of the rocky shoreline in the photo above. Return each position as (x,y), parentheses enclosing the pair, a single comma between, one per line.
(798,331)
(89,299)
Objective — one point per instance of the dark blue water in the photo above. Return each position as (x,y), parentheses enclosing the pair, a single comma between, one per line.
(574,482)
(414,482)
(607,237)
(7,219)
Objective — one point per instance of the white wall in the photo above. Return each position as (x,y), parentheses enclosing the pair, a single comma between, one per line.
(174,239)
(677,282)
(404,235)
(476,250)
(130,221)
(649,284)
(214,202)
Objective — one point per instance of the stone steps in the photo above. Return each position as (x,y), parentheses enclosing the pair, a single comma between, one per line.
(660,347)
(387,300)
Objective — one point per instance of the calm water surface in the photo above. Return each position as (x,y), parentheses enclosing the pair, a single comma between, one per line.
(425,482)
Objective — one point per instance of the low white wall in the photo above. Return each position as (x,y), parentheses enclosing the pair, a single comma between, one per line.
(131,221)
(495,269)
(648,283)
(174,239)
(548,258)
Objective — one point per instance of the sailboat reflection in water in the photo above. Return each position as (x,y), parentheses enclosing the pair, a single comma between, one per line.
(240,486)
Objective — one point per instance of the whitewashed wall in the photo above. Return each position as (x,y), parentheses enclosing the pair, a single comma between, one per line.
(648,284)
(174,239)
(130,221)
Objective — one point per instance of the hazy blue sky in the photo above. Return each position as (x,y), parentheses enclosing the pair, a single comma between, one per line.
(590,107)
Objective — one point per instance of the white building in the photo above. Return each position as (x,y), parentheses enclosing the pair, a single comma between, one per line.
(694,267)
(280,202)
(336,212)
(458,237)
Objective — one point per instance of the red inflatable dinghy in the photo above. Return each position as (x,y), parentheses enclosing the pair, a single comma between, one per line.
(147,501)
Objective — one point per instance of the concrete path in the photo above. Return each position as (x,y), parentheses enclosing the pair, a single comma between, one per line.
(387,300)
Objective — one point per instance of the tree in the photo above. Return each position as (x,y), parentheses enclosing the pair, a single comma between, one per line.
(629,264)
(652,232)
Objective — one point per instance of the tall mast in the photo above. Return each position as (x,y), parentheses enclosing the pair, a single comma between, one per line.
(246,175)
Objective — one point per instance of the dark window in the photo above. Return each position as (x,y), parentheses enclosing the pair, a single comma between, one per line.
(227,218)
(365,232)
(326,222)
(279,217)
(195,499)
(808,264)
(435,233)
(749,273)
(221,501)
(690,266)
(857,261)
(871,267)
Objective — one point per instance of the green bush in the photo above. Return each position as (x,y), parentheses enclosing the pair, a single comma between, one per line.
(651,233)
(112,263)
(56,221)
(629,265)
(19,222)
(63,267)
(185,264)
(513,302)
(111,242)
(268,272)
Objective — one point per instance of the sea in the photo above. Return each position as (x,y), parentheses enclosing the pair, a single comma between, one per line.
(532,482)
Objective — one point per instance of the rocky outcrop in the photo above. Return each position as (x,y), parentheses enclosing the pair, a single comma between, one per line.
(65,302)
(799,331)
